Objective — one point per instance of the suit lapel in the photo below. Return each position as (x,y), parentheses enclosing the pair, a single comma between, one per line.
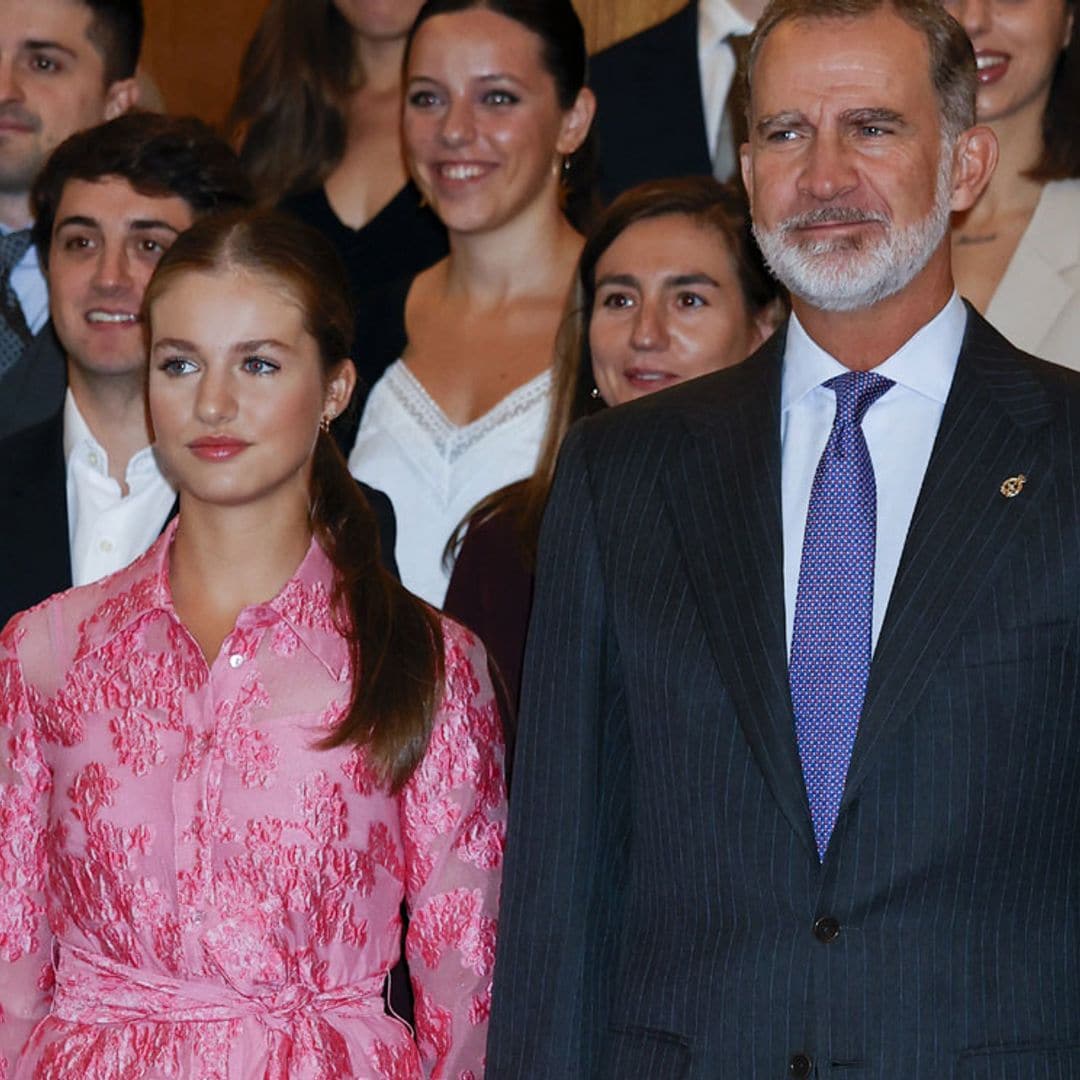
(724,495)
(993,428)
(40,517)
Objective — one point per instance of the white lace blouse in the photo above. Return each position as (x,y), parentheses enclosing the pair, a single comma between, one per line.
(434,471)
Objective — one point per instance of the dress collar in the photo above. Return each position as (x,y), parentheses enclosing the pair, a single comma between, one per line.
(303,606)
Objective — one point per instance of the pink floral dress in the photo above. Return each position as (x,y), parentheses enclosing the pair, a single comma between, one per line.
(189,888)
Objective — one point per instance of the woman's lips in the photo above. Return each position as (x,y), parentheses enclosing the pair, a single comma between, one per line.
(217,449)
(991,65)
(648,378)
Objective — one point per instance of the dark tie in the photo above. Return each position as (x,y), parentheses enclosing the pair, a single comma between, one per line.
(834,605)
(732,131)
(14,333)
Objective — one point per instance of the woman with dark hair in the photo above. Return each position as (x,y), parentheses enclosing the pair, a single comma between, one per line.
(670,286)
(496,117)
(317,117)
(1016,253)
(225,767)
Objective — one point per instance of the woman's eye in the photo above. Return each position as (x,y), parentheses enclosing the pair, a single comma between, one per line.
(176,365)
(500,97)
(618,300)
(423,99)
(259,365)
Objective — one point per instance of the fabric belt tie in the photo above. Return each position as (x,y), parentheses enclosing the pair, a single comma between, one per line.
(92,989)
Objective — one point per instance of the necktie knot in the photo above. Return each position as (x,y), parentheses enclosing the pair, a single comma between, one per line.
(13,246)
(855,392)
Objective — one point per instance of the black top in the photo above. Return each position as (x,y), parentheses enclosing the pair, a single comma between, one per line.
(402,239)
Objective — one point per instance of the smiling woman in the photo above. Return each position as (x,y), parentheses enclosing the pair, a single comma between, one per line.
(269,745)
(496,117)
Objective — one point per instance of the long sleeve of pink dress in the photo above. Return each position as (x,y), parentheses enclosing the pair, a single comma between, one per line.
(190,888)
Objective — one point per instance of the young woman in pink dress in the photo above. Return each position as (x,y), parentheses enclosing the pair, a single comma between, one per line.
(224,768)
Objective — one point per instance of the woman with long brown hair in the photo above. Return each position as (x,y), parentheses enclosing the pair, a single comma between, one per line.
(226,767)
(317,117)
(670,285)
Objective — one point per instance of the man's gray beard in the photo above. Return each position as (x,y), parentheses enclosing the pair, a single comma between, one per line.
(852,273)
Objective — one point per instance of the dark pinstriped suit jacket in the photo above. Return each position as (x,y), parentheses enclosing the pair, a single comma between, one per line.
(662,888)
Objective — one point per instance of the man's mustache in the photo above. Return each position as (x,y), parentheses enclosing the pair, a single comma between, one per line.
(834,215)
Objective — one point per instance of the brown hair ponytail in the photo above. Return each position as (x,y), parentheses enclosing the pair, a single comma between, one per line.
(395,639)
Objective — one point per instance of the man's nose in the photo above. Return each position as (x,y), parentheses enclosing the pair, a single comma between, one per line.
(828,168)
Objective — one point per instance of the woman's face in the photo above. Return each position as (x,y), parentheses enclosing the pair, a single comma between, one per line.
(237,389)
(483,130)
(1017,43)
(668,307)
(378,20)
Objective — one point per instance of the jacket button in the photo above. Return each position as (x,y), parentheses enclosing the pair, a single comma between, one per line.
(799,1066)
(826,929)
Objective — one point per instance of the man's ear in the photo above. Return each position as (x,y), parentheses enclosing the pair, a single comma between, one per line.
(975,156)
(746,166)
(121,96)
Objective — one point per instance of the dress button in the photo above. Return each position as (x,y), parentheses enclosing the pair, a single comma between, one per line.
(799,1066)
(826,929)
(235,660)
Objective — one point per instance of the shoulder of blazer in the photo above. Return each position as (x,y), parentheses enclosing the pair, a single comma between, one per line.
(1031,391)
(34,457)
(34,388)
(675,32)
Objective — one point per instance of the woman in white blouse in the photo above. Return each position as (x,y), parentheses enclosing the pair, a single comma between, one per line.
(495,109)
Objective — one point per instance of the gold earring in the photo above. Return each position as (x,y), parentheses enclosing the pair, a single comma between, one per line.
(324,424)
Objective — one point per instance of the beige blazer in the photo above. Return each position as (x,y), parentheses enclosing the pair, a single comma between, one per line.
(1037,304)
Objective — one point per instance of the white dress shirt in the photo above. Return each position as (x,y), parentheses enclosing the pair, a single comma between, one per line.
(900,428)
(29,284)
(107,529)
(717,19)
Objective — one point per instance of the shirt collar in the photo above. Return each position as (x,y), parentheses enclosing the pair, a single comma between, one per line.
(717,20)
(77,432)
(302,606)
(925,362)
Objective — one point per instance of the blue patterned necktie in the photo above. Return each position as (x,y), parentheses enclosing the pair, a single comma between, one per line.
(834,605)
(14,333)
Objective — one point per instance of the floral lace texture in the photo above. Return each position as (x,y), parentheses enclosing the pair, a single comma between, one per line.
(189,888)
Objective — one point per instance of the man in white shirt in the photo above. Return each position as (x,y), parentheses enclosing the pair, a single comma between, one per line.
(81,492)
(663,95)
(795,790)
(65,65)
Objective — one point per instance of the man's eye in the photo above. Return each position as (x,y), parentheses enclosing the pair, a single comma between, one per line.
(780,135)
(38,62)
(77,243)
(690,300)
(618,300)
(873,131)
(152,247)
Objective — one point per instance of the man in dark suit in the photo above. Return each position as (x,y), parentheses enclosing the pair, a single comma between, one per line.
(68,65)
(797,788)
(80,492)
(664,101)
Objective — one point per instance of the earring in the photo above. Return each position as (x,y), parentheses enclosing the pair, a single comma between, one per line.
(324,424)
(594,393)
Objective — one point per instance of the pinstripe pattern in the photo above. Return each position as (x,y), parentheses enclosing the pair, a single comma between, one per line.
(661,882)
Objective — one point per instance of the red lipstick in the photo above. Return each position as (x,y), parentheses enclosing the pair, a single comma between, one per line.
(217,447)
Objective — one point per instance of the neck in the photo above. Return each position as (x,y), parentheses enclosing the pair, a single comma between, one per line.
(114,408)
(379,63)
(226,558)
(15,209)
(500,266)
(863,339)
(1019,149)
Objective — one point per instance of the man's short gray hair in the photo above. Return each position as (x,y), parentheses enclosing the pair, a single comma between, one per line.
(952,59)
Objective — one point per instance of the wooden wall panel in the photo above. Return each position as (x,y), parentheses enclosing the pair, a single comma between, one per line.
(193,47)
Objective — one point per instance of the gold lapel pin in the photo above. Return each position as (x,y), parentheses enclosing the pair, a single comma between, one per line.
(1013,486)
